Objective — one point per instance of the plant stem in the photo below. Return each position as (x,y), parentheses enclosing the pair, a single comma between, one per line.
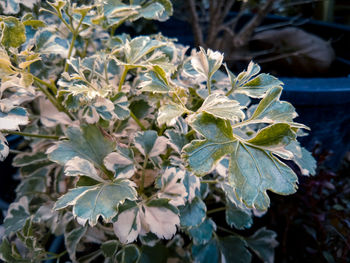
(122,79)
(34,135)
(219,209)
(75,33)
(209,86)
(230,91)
(132,115)
(209,181)
(190,133)
(143,174)
(49,85)
(55,102)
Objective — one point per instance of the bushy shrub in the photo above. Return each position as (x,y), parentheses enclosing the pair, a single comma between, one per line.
(130,139)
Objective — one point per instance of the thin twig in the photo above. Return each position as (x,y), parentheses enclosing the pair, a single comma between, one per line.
(196,28)
(34,135)
(245,33)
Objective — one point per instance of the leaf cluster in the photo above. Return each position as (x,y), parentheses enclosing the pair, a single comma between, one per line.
(130,139)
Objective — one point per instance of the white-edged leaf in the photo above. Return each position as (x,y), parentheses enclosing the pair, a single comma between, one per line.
(149,143)
(251,84)
(91,202)
(11,116)
(78,166)
(128,224)
(169,112)
(121,162)
(87,143)
(121,106)
(162,218)
(222,107)
(4,148)
(192,184)
(17,215)
(252,169)
(50,116)
(303,158)
(207,63)
(171,186)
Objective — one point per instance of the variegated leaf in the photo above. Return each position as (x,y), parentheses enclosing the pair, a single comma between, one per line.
(149,143)
(13,32)
(91,202)
(252,170)
(169,112)
(87,143)
(81,167)
(121,162)
(207,63)
(222,107)
(4,149)
(11,116)
(251,84)
(171,186)
(17,215)
(157,216)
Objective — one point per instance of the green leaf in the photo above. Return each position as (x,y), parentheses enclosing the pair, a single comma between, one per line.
(109,248)
(128,254)
(49,43)
(33,184)
(263,243)
(4,149)
(252,171)
(149,144)
(237,214)
(87,143)
(222,107)
(72,240)
(202,233)
(251,84)
(193,214)
(154,254)
(11,116)
(17,216)
(13,32)
(121,162)
(238,217)
(207,63)
(152,11)
(207,253)
(227,249)
(91,202)
(8,252)
(34,23)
